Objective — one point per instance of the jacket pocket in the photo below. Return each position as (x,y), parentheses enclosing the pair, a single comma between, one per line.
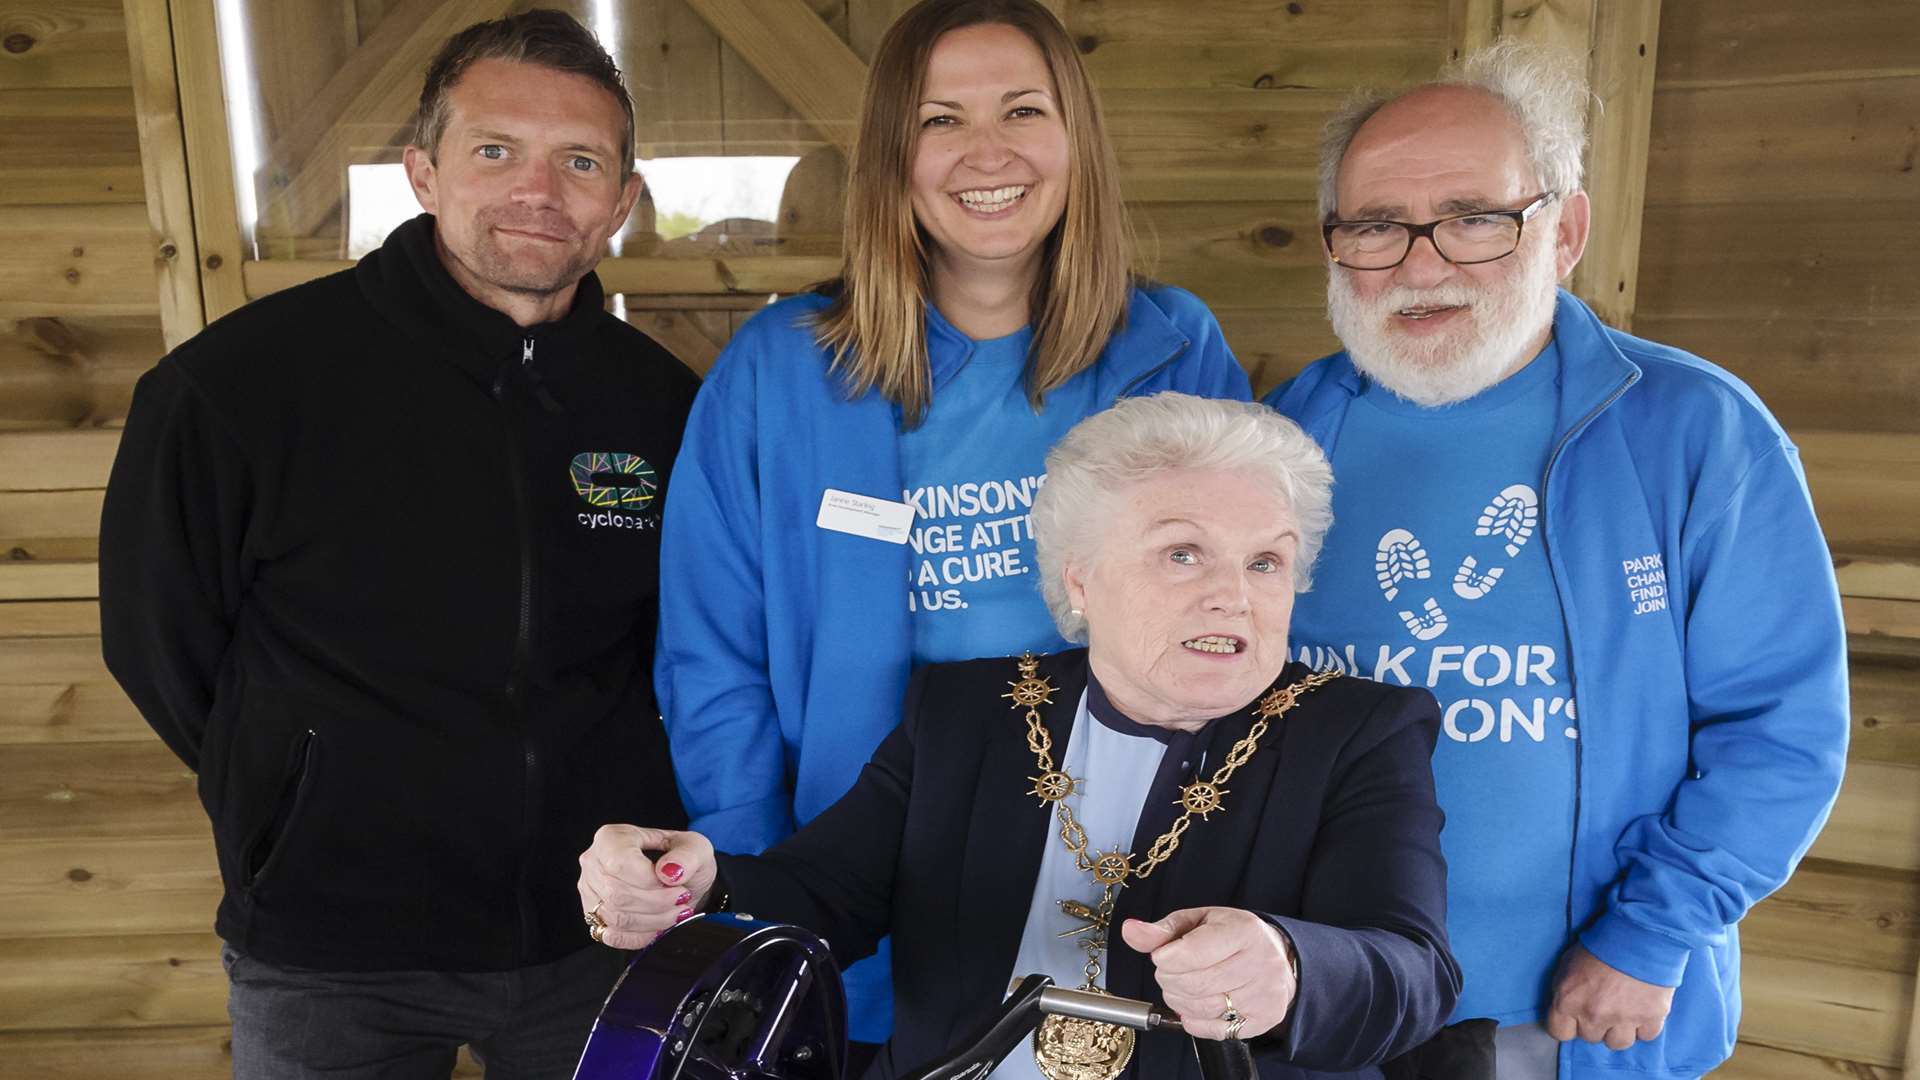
(263,851)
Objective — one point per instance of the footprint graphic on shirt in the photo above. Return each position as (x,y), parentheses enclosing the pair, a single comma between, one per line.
(1400,558)
(1509,519)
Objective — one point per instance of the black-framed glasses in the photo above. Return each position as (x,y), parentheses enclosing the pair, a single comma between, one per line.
(1463,239)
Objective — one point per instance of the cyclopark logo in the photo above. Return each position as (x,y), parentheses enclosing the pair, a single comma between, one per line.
(620,487)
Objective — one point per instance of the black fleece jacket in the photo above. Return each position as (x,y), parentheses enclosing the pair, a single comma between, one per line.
(381,567)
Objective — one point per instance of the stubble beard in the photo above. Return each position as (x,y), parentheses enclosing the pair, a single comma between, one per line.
(493,264)
(1503,321)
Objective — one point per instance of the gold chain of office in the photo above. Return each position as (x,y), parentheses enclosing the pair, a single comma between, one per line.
(1198,799)
(1067,1048)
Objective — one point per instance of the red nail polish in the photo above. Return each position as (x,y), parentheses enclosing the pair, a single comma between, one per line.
(683,899)
(682,917)
(671,871)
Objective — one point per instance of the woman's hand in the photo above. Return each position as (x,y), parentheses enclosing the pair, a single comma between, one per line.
(1207,958)
(636,896)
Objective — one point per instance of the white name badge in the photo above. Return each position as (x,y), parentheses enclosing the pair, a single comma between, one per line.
(864,515)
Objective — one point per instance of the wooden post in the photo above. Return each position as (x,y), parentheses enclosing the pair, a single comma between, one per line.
(1617,38)
(163,162)
(203,112)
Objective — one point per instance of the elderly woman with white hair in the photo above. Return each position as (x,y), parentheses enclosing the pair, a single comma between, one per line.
(1263,839)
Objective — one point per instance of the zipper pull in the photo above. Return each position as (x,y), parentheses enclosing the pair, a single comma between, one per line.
(526,351)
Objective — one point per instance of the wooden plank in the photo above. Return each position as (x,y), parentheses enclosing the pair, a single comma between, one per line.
(209,156)
(754,117)
(1620,73)
(1884,579)
(1825,1009)
(1839,914)
(1217,145)
(75,372)
(1751,1061)
(76,260)
(1810,370)
(1782,143)
(50,618)
(62,43)
(1252,61)
(749,275)
(1881,618)
(49,579)
(28,518)
(675,82)
(1876,821)
(38,661)
(867,22)
(111,982)
(1840,259)
(799,56)
(1886,710)
(112,886)
(1720,42)
(682,334)
(154,1053)
(366,106)
(1235,254)
(89,712)
(1866,487)
(163,159)
(1303,25)
(1274,343)
(63,792)
(68,146)
(56,460)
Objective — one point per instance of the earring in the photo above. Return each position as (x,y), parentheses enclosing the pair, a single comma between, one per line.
(1075,612)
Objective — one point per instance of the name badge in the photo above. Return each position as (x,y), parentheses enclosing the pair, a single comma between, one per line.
(864,515)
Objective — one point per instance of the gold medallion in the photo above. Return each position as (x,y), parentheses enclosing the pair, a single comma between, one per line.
(1065,1048)
(1112,867)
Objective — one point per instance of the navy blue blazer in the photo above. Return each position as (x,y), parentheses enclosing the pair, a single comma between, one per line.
(1330,831)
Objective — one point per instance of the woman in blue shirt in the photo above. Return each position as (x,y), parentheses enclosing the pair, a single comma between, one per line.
(851,497)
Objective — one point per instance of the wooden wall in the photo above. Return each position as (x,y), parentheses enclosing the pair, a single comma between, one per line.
(1781,207)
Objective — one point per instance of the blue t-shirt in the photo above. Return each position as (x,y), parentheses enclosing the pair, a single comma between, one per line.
(1434,574)
(971,471)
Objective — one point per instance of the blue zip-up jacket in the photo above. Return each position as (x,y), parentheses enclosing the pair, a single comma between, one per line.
(1713,732)
(784,649)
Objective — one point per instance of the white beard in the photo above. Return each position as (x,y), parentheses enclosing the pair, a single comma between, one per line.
(1502,321)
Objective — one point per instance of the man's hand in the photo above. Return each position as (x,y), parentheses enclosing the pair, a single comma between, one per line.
(1599,1004)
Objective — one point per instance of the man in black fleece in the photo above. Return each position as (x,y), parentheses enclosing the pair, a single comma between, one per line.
(379,562)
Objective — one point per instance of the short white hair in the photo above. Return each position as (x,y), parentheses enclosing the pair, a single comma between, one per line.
(1543,88)
(1090,468)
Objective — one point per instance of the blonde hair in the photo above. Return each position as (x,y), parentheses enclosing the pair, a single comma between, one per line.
(876,323)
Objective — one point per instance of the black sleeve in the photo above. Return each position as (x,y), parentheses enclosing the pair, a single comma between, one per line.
(1376,977)
(171,570)
(835,876)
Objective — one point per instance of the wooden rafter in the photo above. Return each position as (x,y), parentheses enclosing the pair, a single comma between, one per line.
(163,159)
(369,100)
(798,55)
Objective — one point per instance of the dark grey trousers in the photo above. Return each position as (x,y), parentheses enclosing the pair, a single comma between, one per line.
(527,1024)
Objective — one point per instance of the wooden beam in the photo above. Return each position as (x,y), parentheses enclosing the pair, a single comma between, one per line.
(366,107)
(1620,73)
(203,116)
(163,162)
(747,275)
(1617,39)
(799,56)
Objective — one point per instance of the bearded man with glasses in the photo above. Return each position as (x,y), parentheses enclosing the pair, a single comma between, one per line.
(1600,555)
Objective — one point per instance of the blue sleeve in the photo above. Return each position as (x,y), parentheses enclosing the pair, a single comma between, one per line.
(1767,691)
(1208,368)
(711,661)
(1376,976)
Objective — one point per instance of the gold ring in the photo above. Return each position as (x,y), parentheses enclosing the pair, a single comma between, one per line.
(596,925)
(598,933)
(1233,1026)
(1232,1015)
